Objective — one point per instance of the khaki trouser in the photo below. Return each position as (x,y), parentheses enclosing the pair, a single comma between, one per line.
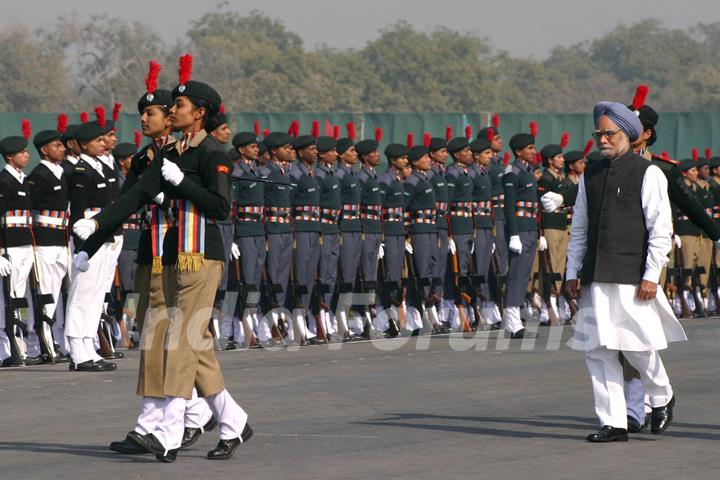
(704,258)
(557,241)
(142,287)
(696,252)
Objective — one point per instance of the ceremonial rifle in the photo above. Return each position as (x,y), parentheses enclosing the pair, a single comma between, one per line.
(42,321)
(13,322)
(679,274)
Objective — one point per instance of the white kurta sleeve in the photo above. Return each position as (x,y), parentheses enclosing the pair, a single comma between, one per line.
(578,234)
(658,220)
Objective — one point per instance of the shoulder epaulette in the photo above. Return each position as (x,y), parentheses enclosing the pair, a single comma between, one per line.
(665,159)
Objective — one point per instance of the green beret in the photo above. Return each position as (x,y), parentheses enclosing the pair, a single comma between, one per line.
(325,144)
(396,150)
(263,148)
(88,131)
(243,139)
(573,156)
(686,164)
(124,150)
(457,144)
(484,132)
(343,144)
(69,132)
(363,147)
(215,121)
(12,145)
(437,143)
(45,137)
(417,152)
(160,97)
(304,141)
(479,145)
(701,162)
(277,139)
(714,162)
(521,140)
(200,90)
(549,151)
(233,154)
(109,127)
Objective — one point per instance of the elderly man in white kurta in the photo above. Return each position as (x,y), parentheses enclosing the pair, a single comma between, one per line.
(620,238)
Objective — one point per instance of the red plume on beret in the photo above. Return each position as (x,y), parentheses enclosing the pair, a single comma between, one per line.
(708,153)
(116,111)
(151,81)
(329,131)
(62,123)
(336,132)
(100,116)
(564,140)
(266,132)
(490,134)
(664,154)
(350,127)
(410,140)
(294,128)
(378,134)
(426,140)
(138,138)
(222,108)
(448,133)
(640,94)
(26,128)
(588,148)
(468,131)
(83,117)
(256,127)
(496,121)
(533,128)
(315,129)
(695,154)
(185,68)
(506,158)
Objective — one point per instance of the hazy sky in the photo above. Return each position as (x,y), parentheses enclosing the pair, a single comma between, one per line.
(530,27)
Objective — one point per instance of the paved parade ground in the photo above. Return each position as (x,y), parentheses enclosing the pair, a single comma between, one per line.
(404,408)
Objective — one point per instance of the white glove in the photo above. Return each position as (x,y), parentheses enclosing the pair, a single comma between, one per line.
(381,251)
(717,243)
(408,247)
(235,251)
(451,246)
(551,201)
(472,247)
(159,198)
(171,172)
(85,227)
(515,244)
(5,267)
(678,242)
(493,249)
(542,244)
(81,261)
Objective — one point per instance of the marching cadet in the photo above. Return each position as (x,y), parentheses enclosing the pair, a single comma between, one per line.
(393,243)
(704,257)
(263,155)
(483,242)
(350,227)
(17,248)
(687,235)
(521,206)
(48,187)
(497,171)
(459,188)
(218,127)
(305,200)
(370,217)
(330,210)
(437,150)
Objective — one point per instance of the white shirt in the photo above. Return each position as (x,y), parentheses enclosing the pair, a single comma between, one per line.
(93,162)
(55,168)
(108,160)
(72,159)
(18,174)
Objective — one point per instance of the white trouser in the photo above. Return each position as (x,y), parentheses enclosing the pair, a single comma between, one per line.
(513,323)
(490,313)
(606,374)
(151,414)
(52,266)
(635,399)
(21,262)
(58,328)
(197,412)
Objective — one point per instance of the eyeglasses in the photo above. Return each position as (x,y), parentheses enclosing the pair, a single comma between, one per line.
(609,134)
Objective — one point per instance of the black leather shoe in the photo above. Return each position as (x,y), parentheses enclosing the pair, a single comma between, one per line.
(662,417)
(523,334)
(150,443)
(7,363)
(609,434)
(106,366)
(191,434)
(88,366)
(226,448)
(633,426)
(128,446)
(30,361)
(114,356)
(495,326)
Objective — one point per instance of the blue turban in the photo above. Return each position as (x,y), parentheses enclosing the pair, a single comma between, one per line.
(623,117)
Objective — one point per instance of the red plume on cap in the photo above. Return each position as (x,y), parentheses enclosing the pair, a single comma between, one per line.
(151,81)
(533,128)
(448,133)
(496,121)
(640,94)
(222,108)
(100,116)
(266,132)
(256,127)
(83,117)
(410,140)
(708,153)
(26,128)
(336,132)
(138,138)
(294,128)
(665,154)
(468,132)
(378,134)
(490,134)
(426,140)
(588,148)
(329,130)
(695,154)
(315,129)
(185,68)
(116,111)
(506,158)
(62,123)
(564,140)
(350,127)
